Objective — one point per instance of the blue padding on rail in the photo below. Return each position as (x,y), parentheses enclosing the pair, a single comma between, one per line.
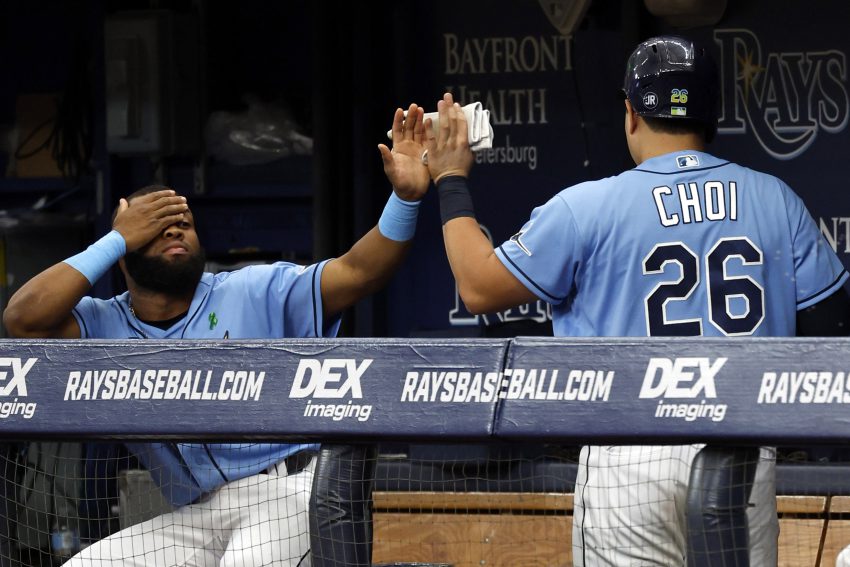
(297,389)
(803,479)
(714,390)
(764,391)
(799,479)
(514,476)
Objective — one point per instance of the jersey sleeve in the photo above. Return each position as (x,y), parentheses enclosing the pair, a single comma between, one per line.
(545,254)
(91,318)
(296,292)
(818,273)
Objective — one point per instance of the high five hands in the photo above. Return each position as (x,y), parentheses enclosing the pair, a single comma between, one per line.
(403,165)
(448,148)
(420,153)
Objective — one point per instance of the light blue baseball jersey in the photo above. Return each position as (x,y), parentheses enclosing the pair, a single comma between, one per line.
(685,244)
(257,302)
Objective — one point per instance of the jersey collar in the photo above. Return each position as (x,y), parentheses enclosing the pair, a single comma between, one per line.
(179,328)
(680,162)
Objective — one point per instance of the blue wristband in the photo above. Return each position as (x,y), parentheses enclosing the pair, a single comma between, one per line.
(95,260)
(398,221)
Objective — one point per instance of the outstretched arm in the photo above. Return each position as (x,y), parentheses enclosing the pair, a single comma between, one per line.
(484,284)
(42,307)
(367,266)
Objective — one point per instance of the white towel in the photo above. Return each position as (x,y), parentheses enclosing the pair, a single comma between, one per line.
(478,121)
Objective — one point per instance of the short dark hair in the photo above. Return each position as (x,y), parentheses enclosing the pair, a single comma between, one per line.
(138,193)
(146,190)
(677,126)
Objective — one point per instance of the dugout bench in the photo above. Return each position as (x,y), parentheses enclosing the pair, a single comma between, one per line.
(507,528)
(511,528)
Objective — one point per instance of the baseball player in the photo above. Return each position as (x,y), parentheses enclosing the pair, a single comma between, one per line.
(237,504)
(684,244)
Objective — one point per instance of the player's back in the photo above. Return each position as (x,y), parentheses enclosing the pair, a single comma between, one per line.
(688,244)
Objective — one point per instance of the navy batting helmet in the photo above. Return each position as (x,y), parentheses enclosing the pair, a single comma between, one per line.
(670,77)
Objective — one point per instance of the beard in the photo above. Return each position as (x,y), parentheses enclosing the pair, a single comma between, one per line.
(177,277)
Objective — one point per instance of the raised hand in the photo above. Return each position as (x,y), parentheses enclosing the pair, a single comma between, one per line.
(148,215)
(448,149)
(403,165)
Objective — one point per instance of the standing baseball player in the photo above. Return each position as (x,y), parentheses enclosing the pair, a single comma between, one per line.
(684,244)
(236,504)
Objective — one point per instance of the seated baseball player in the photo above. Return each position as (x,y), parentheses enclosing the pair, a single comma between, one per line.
(236,503)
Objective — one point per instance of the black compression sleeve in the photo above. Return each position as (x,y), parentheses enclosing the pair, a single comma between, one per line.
(827,318)
(455,200)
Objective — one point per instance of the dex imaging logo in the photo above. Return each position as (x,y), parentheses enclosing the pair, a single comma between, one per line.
(331,379)
(13,373)
(14,382)
(684,378)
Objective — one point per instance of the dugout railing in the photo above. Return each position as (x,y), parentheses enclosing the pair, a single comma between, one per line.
(734,392)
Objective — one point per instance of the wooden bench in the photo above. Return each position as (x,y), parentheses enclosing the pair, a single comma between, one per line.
(836,530)
(509,529)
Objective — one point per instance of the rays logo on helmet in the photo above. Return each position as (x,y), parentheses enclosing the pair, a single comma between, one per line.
(650,101)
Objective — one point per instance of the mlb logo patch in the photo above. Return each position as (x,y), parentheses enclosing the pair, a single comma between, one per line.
(687,161)
(678,111)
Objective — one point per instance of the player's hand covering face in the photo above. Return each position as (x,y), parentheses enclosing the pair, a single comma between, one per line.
(170,260)
(403,165)
(148,217)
